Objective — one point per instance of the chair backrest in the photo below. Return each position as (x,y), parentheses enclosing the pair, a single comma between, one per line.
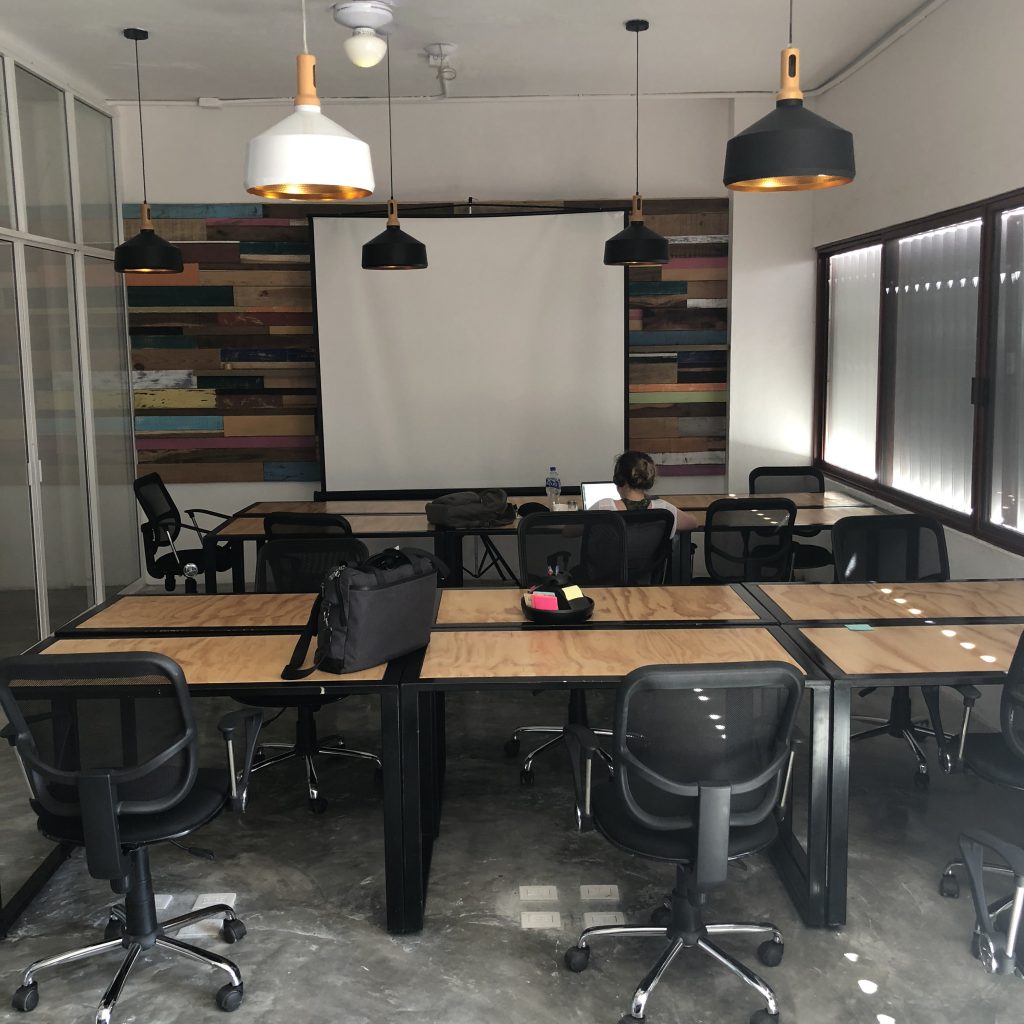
(704,746)
(889,549)
(786,480)
(648,545)
(298,565)
(749,540)
(590,546)
(305,524)
(1011,703)
(162,515)
(101,735)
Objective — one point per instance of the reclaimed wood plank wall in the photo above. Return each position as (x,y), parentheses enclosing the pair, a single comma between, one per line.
(224,355)
(678,341)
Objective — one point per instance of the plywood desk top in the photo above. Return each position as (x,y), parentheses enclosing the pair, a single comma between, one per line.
(897,650)
(249,527)
(611,604)
(856,602)
(803,499)
(207,611)
(589,654)
(361,506)
(209,660)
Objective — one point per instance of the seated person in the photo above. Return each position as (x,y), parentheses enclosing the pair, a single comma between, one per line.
(634,476)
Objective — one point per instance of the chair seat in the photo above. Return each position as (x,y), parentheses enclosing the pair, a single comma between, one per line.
(988,756)
(679,846)
(203,803)
(167,565)
(811,556)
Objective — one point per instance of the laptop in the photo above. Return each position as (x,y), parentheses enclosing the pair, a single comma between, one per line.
(593,492)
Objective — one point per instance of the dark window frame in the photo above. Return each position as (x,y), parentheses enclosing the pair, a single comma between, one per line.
(975,524)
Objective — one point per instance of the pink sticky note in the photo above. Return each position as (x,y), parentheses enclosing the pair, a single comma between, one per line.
(545,602)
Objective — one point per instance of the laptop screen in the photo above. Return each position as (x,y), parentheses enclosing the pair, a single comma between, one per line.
(594,492)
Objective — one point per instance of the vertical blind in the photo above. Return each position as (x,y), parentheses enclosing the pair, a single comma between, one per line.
(1005,507)
(853,360)
(934,293)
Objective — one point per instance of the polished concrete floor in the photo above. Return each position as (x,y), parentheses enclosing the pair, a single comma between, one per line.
(310,889)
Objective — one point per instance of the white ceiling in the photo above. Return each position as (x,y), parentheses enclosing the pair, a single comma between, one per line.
(245,48)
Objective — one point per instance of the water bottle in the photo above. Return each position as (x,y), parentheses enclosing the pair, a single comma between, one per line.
(553,485)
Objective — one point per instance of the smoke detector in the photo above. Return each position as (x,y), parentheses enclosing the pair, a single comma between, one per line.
(364,47)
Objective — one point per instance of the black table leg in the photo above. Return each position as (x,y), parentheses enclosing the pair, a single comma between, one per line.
(839,816)
(210,562)
(12,908)
(237,549)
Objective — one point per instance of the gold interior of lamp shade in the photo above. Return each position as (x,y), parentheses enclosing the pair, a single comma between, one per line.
(794,183)
(285,191)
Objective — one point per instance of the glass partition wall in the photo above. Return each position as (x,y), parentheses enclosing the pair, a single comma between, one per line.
(66,445)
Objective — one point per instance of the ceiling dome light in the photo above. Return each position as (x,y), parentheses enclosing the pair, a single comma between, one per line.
(308,156)
(146,252)
(790,149)
(365,48)
(636,245)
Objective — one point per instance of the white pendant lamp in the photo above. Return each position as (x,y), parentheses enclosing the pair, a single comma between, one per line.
(307,156)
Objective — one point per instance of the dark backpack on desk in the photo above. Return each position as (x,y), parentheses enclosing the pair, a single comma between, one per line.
(470,509)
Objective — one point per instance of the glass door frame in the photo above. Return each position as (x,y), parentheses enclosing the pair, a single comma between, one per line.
(21,238)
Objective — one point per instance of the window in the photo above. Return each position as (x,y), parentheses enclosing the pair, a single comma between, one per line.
(1005,505)
(95,144)
(921,366)
(6,174)
(853,359)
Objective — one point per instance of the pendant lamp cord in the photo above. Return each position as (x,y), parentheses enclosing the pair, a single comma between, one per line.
(790,22)
(142,140)
(391,148)
(305,44)
(637,147)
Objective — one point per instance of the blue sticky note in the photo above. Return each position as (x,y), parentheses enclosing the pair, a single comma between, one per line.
(857,625)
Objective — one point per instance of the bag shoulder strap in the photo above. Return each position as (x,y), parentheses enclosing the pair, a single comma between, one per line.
(294,670)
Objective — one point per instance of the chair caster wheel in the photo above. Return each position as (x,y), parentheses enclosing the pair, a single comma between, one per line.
(576,958)
(526,777)
(232,930)
(26,997)
(764,1017)
(229,998)
(318,805)
(114,929)
(922,780)
(949,886)
(511,747)
(661,917)
(770,953)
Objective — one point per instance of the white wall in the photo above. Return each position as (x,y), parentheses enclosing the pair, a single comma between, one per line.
(771,317)
(935,120)
(446,150)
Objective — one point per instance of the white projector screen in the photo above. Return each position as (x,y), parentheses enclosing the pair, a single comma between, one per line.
(505,356)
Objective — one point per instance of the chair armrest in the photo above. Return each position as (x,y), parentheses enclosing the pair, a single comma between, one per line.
(7,733)
(583,746)
(207,512)
(251,720)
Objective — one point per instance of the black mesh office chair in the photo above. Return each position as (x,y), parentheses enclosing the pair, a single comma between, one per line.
(996,757)
(749,540)
(592,547)
(161,529)
(700,756)
(795,480)
(895,549)
(648,546)
(111,758)
(300,551)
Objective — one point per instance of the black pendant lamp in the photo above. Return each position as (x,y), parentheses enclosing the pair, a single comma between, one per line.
(791,149)
(393,248)
(636,245)
(147,252)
